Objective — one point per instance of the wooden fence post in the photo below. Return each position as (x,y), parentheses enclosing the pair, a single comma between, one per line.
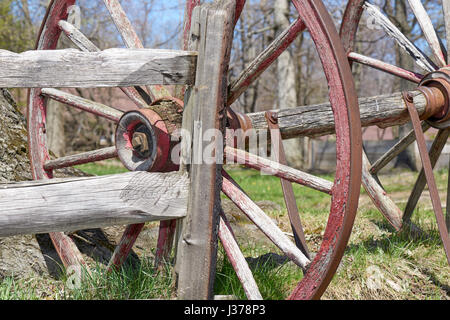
(211,35)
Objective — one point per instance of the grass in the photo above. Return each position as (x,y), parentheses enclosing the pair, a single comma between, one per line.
(378,263)
(272,273)
(142,282)
(12,289)
(106,167)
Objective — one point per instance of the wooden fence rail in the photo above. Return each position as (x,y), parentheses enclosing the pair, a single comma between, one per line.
(109,68)
(44,206)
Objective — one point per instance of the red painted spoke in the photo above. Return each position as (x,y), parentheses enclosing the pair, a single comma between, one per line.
(131,40)
(125,245)
(263,222)
(264,60)
(84,44)
(165,241)
(278,170)
(67,250)
(85,157)
(83,104)
(237,260)
(386,67)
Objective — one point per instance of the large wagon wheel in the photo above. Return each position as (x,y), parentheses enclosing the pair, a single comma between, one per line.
(430,104)
(196,250)
(42,166)
(319,271)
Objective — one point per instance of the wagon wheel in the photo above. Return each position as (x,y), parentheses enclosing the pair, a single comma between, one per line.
(344,190)
(55,24)
(432,88)
(196,277)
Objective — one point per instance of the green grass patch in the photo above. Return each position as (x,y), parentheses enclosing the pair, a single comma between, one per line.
(12,289)
(103,167)
(141,282)
(272,273)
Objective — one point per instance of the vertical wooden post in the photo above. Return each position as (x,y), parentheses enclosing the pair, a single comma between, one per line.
(211,35)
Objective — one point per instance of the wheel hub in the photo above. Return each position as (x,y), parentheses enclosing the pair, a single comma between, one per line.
(436,88)
(142,141)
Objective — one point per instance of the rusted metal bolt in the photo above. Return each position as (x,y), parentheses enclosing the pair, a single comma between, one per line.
(140,142)
(272,116)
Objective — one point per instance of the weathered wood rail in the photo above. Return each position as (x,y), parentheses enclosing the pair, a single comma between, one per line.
(80,203)
(109,68)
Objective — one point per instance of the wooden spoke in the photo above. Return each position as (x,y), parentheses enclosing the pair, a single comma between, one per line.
(80,203)
(237,260)
(277,169)
(67,250)
(264,60)
(85,157)
(125,245)
(95,108)
(396,150)
(446,10)
(131,40)
(77,37)
(84,44)
(164,245)
(419,57)
(434,153)
(263,222)
(109,68)
(428,31)
(386,67)
(378,195)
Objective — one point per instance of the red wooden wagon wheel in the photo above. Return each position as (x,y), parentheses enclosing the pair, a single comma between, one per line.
(429,103)
(142,144)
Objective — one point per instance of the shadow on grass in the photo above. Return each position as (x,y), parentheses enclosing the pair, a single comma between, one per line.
(272,273)
(91,242)
(269,261)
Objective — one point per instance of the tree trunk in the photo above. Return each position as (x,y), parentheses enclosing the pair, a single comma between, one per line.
(55,128)
(286,90)
(22,255)
(14,165)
